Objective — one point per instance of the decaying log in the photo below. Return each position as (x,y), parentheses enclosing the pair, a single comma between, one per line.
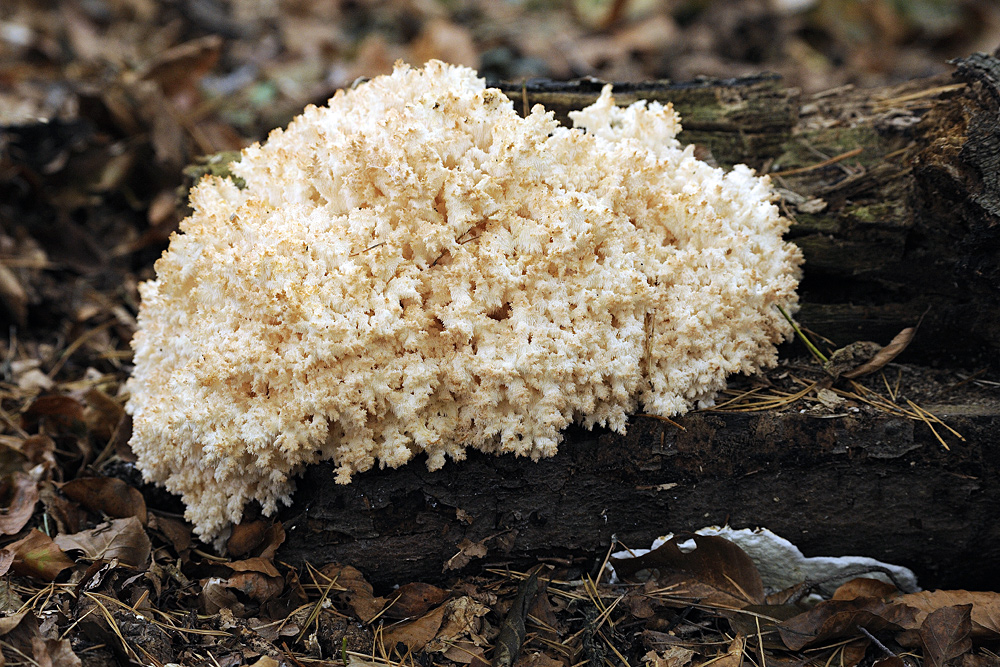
(895,195)
(872,484)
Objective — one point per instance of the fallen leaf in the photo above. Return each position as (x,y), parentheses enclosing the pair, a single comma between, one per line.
(358,592)
(261,565)
(672,656)
(215,595)
(865,587)
(22,491)
(414,634)
(834,619)
(57,652)
(467,551)
(107,495)
(58,413)
(177,532)
(883,356)
(985,614)
(465,652)
(510,640)
(102,414)
(40,449)
(38,556)
(8,623)
(461,622)
(733,657)
(716,566)
(413,600)
(124,539)
(260,538)
(6,560)
(256,586)
(266,661)
(945,634)
(246,537)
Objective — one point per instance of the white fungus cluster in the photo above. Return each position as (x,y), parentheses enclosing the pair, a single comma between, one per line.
(415,269)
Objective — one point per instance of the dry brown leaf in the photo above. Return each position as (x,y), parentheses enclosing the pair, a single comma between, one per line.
(883,356)
(467,653)
(467,551)
(260,538)
(261,565)
(246,537)
(59,414)
(461,623)
(215,595)
(8,623)
(256,585)
(671,656)
(413,600)
(834,619)
(266,661)
(177,532)
(22,491)
(54,652)
(414,634)
(124,539)
(945,634)
(733,656)
(38,556)
(103,413)
(985,608)
(40,449)
(107,495)
(865,587)
(6,560)
(716,571)
(359,593)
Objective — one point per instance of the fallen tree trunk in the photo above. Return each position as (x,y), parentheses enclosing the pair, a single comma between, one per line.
(895,196)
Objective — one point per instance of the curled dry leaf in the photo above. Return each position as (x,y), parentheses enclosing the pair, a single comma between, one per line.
(883,356)
(358,592)
(834,619)
(6,560)
(38,556)
(22,492)
(467,551)
(415,634)
(178,533)
(261,538)
(107,495)
(461,623)
(256,586)
(718,570)
(124,539)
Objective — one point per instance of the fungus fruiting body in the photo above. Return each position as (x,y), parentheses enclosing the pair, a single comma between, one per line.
(415,269)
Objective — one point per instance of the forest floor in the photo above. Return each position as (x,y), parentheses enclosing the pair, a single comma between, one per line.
(105,105)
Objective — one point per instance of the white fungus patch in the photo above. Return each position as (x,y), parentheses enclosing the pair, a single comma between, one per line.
(415,269)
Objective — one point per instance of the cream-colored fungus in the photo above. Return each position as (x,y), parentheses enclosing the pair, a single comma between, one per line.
(415,269)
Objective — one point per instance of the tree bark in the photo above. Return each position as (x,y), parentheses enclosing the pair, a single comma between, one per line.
(895,197)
